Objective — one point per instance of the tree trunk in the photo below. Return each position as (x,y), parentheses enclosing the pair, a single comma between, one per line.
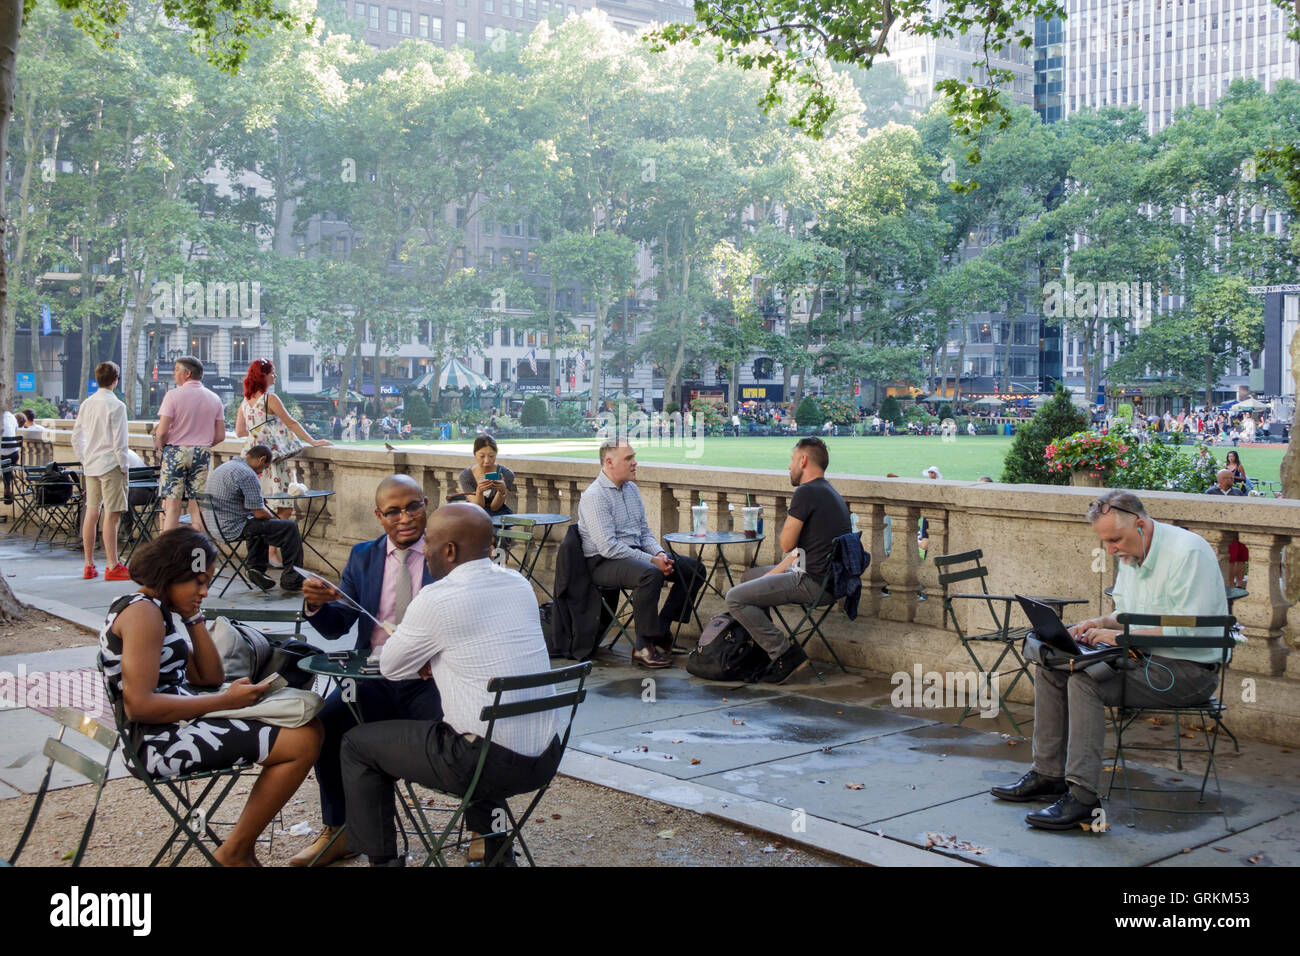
(601,309)
(10,25)
(20,251)
(627,351)
(375,369)
(11,609)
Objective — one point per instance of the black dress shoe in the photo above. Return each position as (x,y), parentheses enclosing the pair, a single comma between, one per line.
(1065,814)
(1032,786)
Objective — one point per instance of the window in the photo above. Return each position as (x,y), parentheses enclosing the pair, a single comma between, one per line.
(240,350)
(489,6)
(436,26)
(300,329)
(488,33)
(201,347)
(505,369)
(519,9)
(373,12)
(460,29)
(392,20)
(486,258)
(360,11)
(300,368)
(487,367)
(406,23)
(487,340)
(423,24)
(531,340)
(460,217)
(532,9)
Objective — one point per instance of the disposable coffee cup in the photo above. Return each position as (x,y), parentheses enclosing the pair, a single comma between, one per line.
(699,520)
(749,515)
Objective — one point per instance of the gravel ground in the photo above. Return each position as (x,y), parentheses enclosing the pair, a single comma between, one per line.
(577,824)
(42,632)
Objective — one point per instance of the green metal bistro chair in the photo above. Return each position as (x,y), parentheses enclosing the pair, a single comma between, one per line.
(96,771)
(814,614)
(967,566)
(229,555)
(194,818)
(1210,712)
(438,842)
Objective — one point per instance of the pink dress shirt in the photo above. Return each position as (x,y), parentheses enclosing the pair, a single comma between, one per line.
(194,412)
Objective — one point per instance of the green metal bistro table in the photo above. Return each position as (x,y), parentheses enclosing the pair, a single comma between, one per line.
(341,674)
(717,540)
(546,520)
(307,519)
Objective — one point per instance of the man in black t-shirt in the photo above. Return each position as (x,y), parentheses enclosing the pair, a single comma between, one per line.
(817,515)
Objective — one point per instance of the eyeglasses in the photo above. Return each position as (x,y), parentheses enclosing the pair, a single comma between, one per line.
(1105,507)
(411,510)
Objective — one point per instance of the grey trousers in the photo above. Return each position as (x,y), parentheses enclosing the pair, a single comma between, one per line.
(748,603)
(1070,713)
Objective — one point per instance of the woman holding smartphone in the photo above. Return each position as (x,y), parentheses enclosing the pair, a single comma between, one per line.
(485,482)
(150,667)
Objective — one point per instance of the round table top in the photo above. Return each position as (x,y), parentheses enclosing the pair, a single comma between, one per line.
(321,664)
(537,517)
(302,497)
(712,537)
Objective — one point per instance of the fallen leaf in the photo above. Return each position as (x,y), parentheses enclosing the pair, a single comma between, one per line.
(737,720)
(1222,849)
(1013,743)
(952,843)
(1158,721)
(694,761)
(768,849)
(666,834)
(1187,850)
(677,741)
(854,786)
(1256,858)
(555,816)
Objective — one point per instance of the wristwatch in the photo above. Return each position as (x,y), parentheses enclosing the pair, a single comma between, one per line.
(191,621)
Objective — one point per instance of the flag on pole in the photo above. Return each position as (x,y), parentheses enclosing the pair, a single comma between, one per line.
(532,361)
(46,325)
(582,365)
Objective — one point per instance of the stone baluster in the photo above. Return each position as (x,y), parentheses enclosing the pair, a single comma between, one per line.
(1263,612)
(871,522)
(900,567)
(930,611)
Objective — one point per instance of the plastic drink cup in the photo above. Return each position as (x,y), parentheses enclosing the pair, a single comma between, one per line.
(750,515)
(700,520)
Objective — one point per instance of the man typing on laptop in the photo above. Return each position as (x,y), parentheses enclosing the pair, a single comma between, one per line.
(1162,570)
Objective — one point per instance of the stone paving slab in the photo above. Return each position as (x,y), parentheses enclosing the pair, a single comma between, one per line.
(739,735)
(23,733)
(886,776)
(1273,843)
(1136,838)
(623,701)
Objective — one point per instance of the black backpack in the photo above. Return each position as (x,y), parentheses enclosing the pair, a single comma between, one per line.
(54,487)
(727,652)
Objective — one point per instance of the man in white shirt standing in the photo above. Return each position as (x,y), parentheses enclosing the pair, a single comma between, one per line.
(475,622)
(99,439)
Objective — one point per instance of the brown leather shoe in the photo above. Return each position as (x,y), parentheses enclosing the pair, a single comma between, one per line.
(650,657)
(338,851)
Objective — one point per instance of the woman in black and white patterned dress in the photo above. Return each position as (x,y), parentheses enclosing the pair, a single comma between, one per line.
(149,666)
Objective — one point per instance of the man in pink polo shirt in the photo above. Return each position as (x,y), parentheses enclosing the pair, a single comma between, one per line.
(190,421)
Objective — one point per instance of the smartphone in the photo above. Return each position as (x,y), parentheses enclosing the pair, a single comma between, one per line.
(368,669)
(339,657)
(493,476)
(274,683)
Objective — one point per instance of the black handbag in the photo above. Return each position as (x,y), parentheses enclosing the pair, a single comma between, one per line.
(54,487)
(727,652)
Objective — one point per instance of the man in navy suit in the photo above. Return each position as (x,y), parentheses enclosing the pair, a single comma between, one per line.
(382,576)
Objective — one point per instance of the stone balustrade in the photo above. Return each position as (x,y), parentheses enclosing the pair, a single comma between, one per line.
(1034,540)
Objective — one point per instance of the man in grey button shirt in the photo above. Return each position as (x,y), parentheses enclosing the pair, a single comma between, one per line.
(622,552)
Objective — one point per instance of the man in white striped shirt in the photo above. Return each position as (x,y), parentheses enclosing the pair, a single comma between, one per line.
(476,622)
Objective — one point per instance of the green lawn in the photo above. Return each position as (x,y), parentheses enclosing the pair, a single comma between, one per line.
(964,458)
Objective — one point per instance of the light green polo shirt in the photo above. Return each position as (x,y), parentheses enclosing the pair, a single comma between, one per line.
(1179,576)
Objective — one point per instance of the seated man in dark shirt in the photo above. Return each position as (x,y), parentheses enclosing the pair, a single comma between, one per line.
(1223,484)
(817,515)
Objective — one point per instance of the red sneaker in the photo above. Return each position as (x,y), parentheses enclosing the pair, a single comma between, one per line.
(90,572)
(119,573)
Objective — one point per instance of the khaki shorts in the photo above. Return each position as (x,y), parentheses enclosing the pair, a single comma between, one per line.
(108,489)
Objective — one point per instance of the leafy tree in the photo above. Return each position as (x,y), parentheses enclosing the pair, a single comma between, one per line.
(808,412)
(534,412)
(416,409)
(891,411)
(1025,462)
(788,39)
